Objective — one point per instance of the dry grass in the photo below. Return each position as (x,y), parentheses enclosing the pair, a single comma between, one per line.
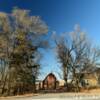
(83,92)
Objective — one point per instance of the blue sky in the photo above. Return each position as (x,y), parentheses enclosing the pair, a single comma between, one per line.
(61,16)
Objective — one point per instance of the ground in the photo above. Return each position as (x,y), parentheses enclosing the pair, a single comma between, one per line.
(87,95)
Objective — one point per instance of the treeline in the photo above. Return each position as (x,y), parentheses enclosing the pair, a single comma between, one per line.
(21,36)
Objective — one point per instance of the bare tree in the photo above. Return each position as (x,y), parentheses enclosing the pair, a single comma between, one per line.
(75,54)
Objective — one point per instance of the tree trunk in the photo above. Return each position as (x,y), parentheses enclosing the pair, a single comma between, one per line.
(34,85)
(3,88)
(65,75)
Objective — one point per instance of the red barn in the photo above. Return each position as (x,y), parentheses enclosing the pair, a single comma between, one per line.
(50,82)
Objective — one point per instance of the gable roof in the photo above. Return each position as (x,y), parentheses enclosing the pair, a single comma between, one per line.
(50,74)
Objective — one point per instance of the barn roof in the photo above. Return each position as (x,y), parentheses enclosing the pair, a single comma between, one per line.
(50,74)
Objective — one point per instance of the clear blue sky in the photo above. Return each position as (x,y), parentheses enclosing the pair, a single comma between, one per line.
(61,16)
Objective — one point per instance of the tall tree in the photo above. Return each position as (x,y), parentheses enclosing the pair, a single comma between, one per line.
(75,54)
(23,35)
